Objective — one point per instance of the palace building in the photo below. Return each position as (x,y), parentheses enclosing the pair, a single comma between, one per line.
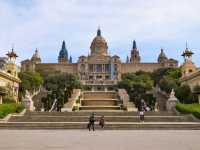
(98,69)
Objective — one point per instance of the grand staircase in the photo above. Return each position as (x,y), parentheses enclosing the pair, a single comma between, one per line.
(99,100)
(114,120)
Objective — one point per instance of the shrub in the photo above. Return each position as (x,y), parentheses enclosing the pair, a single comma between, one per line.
(185,95)
(78,100)
(6,109)
(8,99)
(189,109)
(75,108)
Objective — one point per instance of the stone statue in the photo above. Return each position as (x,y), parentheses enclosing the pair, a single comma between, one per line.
(27,102)
(172,94)
(27,95)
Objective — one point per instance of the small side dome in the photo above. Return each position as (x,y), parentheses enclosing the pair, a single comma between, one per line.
(36,57)
(162,57)
(63,54)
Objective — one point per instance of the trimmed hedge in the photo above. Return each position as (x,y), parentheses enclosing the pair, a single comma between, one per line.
(189,109)
(6,109)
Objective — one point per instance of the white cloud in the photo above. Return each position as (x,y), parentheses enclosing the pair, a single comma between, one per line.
(45,23)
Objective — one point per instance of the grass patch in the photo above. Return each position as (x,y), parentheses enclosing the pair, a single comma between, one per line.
(189,109)
(6,109)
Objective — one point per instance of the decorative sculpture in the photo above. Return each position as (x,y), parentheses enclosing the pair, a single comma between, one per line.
(27,101)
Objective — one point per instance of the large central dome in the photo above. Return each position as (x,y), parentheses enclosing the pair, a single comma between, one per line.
(99,45)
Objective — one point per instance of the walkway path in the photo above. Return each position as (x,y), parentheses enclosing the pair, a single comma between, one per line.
(99,140)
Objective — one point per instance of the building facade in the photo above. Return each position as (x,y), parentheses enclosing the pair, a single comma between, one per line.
(98,68)
(9,75)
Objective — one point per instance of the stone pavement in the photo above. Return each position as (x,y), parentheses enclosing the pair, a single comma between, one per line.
(99,140)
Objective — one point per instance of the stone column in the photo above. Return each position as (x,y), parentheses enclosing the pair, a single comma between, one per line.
(199,98)
(1,101)
(95,68)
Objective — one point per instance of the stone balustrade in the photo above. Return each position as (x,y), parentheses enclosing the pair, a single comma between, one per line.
(72,101)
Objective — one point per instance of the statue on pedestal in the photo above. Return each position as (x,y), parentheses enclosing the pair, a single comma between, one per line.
(172,101)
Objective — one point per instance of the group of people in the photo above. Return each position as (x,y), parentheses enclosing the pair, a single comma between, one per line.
(92,120)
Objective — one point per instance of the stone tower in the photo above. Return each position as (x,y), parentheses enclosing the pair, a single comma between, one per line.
(188,67)
(99,45)
(135,56)
(11,67)
(63,54)
(70,59)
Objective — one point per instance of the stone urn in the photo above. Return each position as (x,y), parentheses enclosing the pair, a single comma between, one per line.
(172,101)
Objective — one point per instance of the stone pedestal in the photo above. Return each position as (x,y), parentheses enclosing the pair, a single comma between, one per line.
(172,101)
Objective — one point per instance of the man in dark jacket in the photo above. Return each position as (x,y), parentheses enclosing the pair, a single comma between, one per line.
(91,122)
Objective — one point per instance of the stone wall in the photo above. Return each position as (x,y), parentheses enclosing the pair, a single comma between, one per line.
(147,67)
(55,67)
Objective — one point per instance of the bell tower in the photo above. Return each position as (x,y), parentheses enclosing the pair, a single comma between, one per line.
(135,56)
(188,66)
(11,67)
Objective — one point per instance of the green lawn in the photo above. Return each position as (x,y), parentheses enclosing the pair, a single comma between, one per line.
(6,109)
(189,109)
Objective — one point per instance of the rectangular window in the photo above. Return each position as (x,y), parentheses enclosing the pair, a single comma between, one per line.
(90,67)
(107,68)
(99,68)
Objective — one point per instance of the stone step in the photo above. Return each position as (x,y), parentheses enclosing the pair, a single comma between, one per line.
(100,113)
(93,102)
(108,126)
(99,94)
(44,118)
(99,107)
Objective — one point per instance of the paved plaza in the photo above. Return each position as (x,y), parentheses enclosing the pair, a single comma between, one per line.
(99,140)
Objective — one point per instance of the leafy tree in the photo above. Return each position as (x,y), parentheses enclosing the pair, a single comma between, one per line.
(166,75)
(30,81)
(170,79)
(184,94)
(167,84)
(60,87)
(158,74)
(136,85)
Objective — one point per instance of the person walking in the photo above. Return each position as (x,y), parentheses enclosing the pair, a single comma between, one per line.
(142,116)
(102,122)
(91,122)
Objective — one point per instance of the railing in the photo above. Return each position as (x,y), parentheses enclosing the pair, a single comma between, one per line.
(99,82)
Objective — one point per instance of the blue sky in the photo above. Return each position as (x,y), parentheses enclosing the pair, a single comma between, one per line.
(154,24)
